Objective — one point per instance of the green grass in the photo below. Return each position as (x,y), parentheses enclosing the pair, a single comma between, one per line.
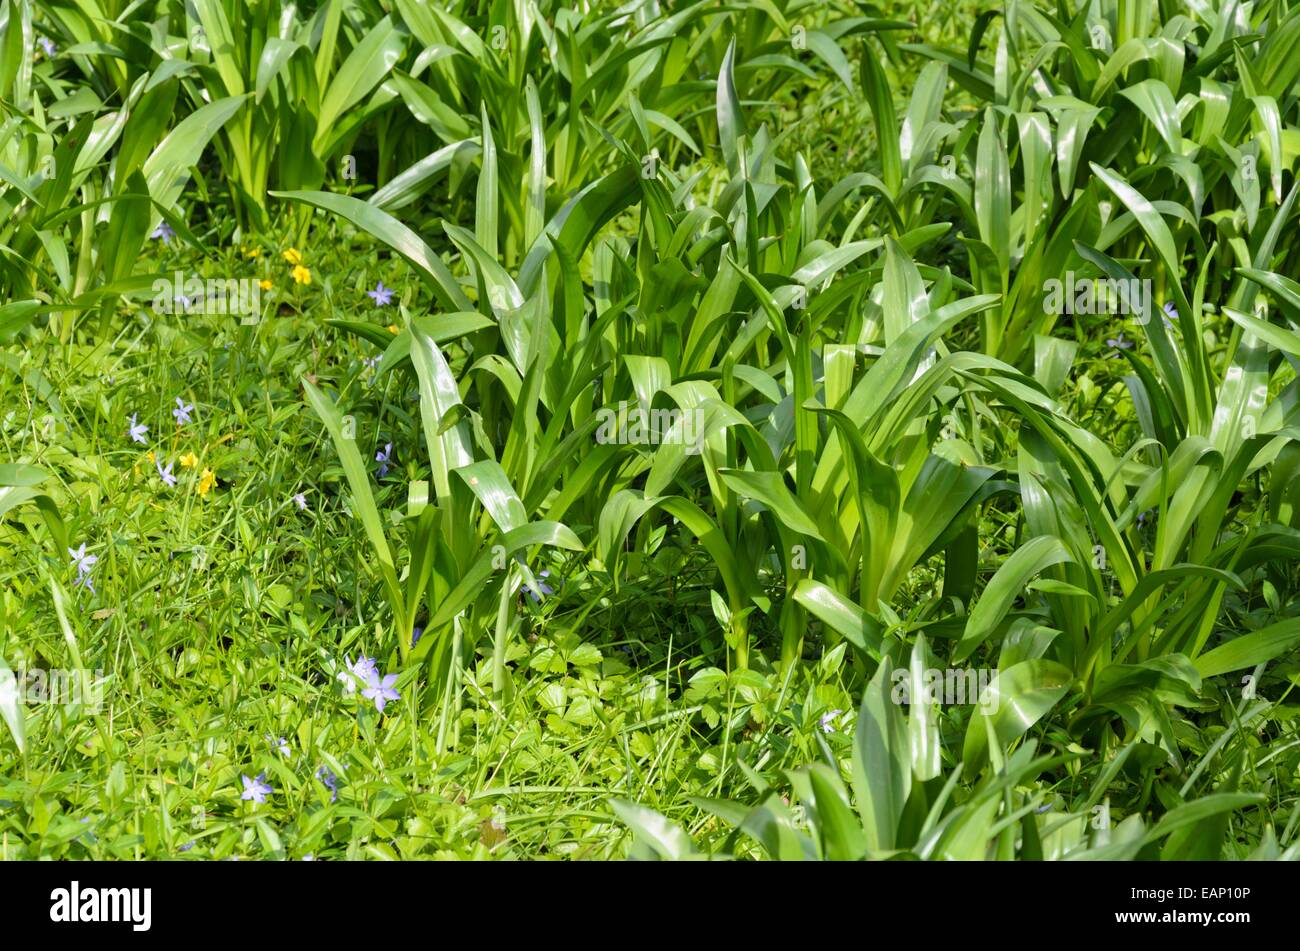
(818,241)
(220,622)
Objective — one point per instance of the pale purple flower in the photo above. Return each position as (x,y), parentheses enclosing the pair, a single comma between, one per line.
(330,782)
(138,431)
(384,458)
(182,412)
(828,719)
(381,691)
(372,363)
(48,46)
(364,670)
(84,564)
(256,789)
(166,474)
(382,296)
(301,501)
(281,744)
(163,233)
(83,561)
(542,590)
(1119,342)
(187,846)
(416,634)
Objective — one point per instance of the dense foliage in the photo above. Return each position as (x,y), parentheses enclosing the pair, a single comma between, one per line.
(763,429)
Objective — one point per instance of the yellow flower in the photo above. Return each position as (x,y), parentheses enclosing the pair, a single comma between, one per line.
(189,460)
(265,284)
(293,257)
(392,328)
(301,275)
(206,481)
(253,253)
(149,455)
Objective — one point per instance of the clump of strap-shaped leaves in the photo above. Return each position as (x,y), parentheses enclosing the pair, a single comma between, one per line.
(881,388)
(617,208)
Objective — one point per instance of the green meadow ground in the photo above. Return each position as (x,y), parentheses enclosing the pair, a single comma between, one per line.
(1095,511)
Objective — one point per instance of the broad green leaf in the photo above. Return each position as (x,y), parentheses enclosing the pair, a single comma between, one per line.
(1006,585)
(1248,650)
(1014,701)
(168,166)
(832,608)
(882,772)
